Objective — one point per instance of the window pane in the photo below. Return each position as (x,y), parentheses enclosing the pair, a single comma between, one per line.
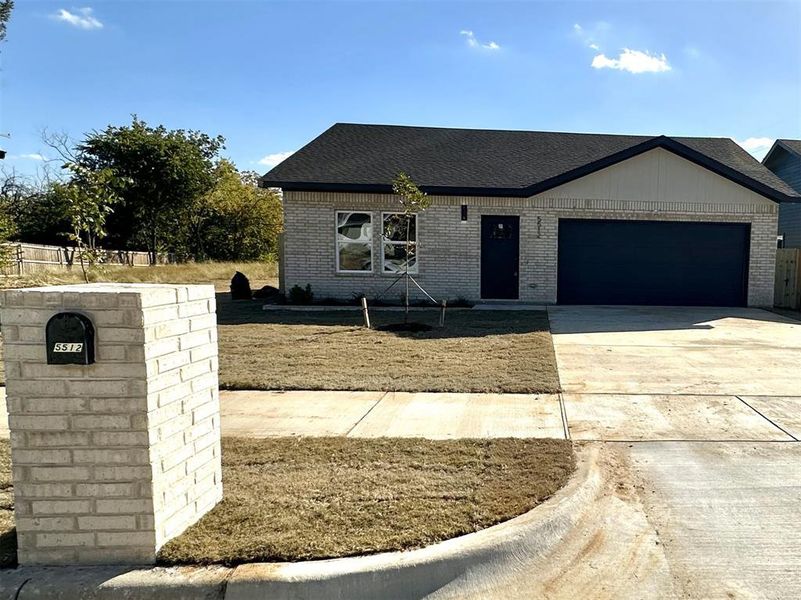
(395,227)
(395,259)
(354,227)
(354,257)
(501,231)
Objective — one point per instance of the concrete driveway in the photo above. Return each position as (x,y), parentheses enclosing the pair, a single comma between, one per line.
(646,373)
(709,403)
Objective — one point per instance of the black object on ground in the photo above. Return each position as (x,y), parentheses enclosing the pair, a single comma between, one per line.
(240,287)
(413,327)
(267,292)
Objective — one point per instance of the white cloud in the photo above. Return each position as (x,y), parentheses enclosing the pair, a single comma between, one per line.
(633,61)
(473,42)
(31,156)
(590,37)
(273,159)
(82,18)
(756,146)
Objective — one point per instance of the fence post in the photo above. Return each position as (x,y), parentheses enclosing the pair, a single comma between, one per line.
(365,314)
(20,257)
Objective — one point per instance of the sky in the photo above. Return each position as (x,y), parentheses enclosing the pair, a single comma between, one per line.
(270,76)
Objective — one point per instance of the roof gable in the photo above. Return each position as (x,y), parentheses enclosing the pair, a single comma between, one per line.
(792,147)
(365,158)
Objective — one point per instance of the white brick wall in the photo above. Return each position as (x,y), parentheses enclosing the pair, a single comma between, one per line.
(111,460)
(449,249)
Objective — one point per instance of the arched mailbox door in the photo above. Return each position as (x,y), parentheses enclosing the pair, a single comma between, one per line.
(70,339)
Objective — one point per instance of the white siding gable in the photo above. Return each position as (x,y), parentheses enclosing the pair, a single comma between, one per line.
(657,176)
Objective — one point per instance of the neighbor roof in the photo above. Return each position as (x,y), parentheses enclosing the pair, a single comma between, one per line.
(791,146)
(365,158)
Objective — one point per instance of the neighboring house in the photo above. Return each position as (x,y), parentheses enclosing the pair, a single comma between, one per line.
(784,159)
(533,217)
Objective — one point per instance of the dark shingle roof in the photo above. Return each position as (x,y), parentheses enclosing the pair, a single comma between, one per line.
(352,157)
(792,145)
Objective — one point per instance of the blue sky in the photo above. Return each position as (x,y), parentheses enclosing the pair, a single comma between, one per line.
(270,76)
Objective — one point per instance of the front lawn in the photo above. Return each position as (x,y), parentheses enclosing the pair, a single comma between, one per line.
(289,499)
(477,351)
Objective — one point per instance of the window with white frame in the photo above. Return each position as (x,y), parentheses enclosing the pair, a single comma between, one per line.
(354,242)
(394,255)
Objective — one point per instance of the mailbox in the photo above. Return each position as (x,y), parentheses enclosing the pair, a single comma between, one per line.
(70,339)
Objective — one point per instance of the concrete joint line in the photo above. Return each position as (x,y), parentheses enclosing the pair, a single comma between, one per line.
(776,425)
(563,410)
(364,416)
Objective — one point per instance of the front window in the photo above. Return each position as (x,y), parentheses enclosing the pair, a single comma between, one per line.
(398,228)
(354,242)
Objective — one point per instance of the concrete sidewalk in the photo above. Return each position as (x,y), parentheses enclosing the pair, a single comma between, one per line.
(391,414)
(590,417)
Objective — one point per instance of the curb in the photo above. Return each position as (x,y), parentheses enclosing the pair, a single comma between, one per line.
(468,565)
(114,583)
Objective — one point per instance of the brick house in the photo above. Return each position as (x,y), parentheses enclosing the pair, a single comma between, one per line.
(535,217)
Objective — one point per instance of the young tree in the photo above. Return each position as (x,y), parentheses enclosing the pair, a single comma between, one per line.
(412,201)
(89,197)
(164,172)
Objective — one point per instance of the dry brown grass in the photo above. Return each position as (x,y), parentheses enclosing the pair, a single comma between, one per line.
(217,273)
(290,499)
(477,351)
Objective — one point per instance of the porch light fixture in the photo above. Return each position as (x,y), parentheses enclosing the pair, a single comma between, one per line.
(464,212)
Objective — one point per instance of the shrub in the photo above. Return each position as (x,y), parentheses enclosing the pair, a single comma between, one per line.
(460,303)
(299,295)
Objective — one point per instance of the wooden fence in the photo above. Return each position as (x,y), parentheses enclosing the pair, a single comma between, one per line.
(787,291)
(32,258)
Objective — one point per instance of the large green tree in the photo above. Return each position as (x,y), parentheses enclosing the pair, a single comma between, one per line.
(163,173)
(236,220)
(36,208)
(6,6)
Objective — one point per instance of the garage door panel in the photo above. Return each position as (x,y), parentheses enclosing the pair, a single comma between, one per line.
(652,262)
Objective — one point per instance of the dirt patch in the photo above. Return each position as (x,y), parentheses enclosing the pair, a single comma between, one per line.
(291,499)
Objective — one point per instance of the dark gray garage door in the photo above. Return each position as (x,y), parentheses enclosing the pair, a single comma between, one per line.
(653,263)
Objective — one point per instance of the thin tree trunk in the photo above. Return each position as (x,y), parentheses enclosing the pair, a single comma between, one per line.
(79,241)
(406,271)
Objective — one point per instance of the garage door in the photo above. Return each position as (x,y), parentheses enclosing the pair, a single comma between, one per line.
(653,263)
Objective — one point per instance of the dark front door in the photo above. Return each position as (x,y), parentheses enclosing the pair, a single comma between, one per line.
(500,254)
(653,262)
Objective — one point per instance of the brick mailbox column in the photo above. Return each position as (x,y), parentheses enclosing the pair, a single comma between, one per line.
(112,459)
